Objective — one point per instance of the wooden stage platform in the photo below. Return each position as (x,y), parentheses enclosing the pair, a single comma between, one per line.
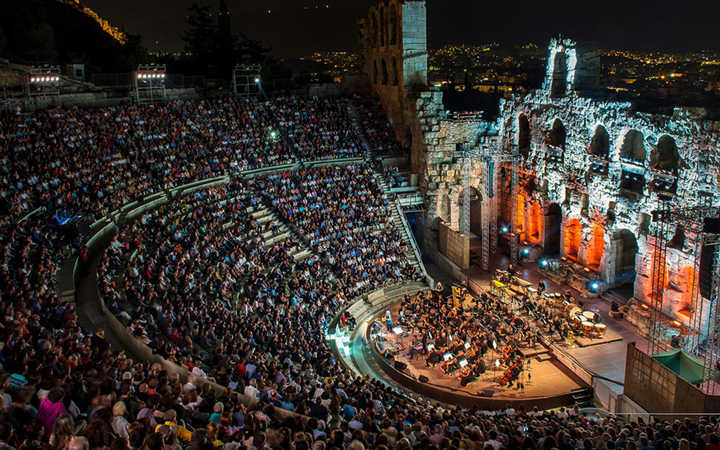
(542,377)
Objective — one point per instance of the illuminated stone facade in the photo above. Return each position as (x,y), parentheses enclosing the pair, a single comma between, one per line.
(593,172)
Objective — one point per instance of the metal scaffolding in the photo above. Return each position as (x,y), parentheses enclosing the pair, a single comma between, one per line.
(491,158)
(149,83)
(700,337)
(246,80)
(44,81)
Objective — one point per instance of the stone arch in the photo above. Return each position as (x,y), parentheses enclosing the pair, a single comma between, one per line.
(395,79)
(600,143)
(374,30)
(572,238)
(534,223)
(626,249)
(553,228)
(558,134)
(375,72)
(633,147)
(665,157)
(559,75)
(524,135)
(393,25)
(384,71)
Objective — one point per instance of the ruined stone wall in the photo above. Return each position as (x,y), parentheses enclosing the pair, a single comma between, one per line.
(590,189)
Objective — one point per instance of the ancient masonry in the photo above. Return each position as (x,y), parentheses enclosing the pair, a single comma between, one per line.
(592,172)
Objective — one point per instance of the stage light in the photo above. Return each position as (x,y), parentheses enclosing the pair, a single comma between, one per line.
(505,229)
(497,363)
(526,251)
(494,344)
(543,262)
(257,80)
(594,286)
(273,134)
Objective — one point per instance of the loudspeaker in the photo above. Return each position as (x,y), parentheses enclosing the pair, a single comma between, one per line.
(423,379)
(711,225)
(399,365)
(707,256)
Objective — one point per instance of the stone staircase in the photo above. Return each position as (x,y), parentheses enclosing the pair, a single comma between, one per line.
(398,219)
(278,232)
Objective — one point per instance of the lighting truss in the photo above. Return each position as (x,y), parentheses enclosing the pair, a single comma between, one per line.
(149,82)
(44,80)
(247,80)
(491,158)
(703,331)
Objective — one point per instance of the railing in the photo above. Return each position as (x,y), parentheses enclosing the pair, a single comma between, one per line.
(413,244)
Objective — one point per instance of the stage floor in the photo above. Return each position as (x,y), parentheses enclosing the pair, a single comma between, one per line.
(606,358)
(543,377)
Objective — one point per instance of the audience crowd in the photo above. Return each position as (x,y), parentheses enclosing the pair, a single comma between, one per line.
(210,283)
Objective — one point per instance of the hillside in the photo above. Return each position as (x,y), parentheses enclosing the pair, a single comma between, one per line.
(62,32)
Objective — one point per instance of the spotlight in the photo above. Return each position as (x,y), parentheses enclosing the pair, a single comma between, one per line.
(526,251)
(594,286)
(257,80)
(497,363)
(543,263)
(505,229)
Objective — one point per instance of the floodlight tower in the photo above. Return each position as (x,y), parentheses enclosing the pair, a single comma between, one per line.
(44,80)
(149,83)
(247,80)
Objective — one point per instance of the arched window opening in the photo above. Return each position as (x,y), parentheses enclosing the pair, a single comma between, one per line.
(556,142)
(633,147)
(665,160)
(559,76)
(557,134)
(666,157)
(384,72)
(375,72)
(600,144)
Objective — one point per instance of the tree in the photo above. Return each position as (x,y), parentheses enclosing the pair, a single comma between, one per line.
(200,36)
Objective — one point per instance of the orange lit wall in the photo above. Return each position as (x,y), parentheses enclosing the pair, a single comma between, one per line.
(520,214)
(594,252)
(685,279)
(534,223)
(573,232)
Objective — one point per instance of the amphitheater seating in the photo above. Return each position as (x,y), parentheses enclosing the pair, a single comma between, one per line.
(228,281)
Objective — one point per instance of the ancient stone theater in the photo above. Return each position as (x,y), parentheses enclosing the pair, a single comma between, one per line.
(595,194)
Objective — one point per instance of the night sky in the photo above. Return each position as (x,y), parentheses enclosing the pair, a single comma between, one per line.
(292,30)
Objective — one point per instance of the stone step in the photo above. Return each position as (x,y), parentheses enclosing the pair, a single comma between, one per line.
(302,255)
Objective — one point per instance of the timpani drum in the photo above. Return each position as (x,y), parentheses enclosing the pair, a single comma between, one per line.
(600,329)
(589,315)
(587,327)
